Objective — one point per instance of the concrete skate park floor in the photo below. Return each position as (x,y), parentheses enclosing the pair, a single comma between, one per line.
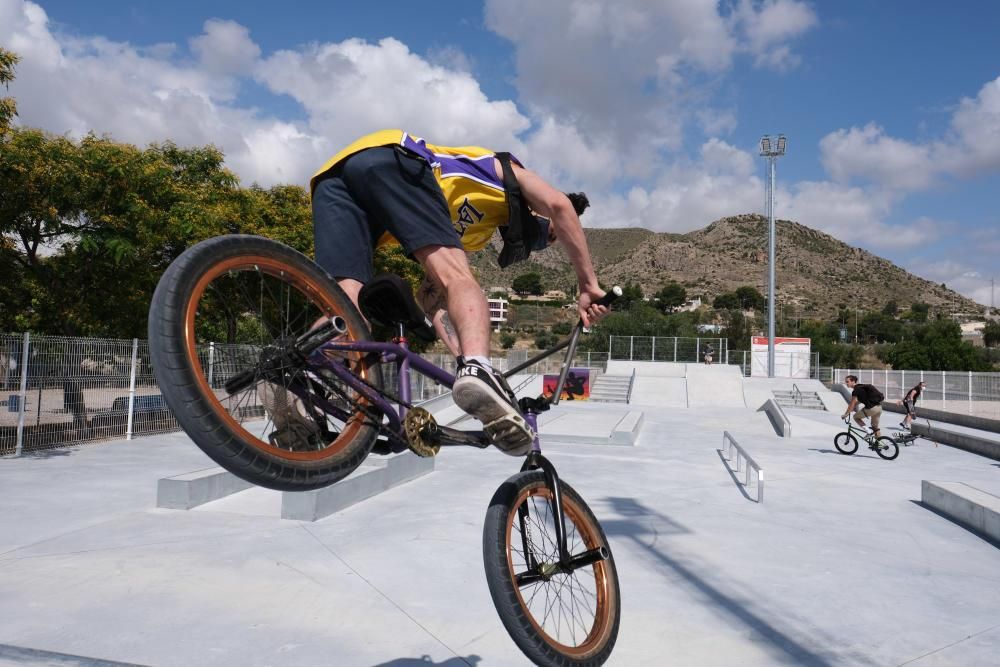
(840,565)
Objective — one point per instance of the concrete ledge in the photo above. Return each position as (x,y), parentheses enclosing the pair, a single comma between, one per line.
(626,431)
(365,482)
(970,443)
(965,505)
(779,420)
(979,423)
(183,492)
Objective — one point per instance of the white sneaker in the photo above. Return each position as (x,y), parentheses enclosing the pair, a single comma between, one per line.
(485,395)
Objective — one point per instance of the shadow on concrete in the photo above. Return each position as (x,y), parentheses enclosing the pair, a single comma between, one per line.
(758,621)
(933,510)
(425,661)
(732,475)
(857,455)
(48,453)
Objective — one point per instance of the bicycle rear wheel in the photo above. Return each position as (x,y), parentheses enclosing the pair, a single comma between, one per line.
(554,617)
(845,443)
(233,305)
(887,448)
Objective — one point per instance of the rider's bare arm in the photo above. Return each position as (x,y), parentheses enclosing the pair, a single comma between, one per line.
(554,205)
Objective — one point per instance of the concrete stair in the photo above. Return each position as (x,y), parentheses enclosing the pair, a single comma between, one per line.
(611,388)
(809,400)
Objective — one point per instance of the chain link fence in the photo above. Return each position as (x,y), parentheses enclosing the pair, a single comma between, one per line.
(976,394)
(57,391)
(663,348)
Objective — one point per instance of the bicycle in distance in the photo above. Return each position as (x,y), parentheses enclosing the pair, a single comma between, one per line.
(847,442)
(295,400)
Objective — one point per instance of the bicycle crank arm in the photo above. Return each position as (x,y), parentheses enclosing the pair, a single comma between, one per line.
(447,437)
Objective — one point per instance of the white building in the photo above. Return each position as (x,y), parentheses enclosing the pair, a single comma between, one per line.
(498,312)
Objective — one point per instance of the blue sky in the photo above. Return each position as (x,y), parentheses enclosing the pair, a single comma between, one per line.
(892,109)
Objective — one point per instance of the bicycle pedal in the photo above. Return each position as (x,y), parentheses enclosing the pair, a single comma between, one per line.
(420,428)
(510,434)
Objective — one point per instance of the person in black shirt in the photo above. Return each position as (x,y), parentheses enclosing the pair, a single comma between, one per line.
(870,397)
(910,403)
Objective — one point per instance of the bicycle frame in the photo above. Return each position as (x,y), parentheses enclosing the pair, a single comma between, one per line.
(398,352)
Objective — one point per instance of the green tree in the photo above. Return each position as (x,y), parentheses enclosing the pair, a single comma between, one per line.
(507,340)
(991,333)
(8,108)
(919,311)
(528,283)
(891,308)
(631,294)
(726,301)
(750,298)
(670,296)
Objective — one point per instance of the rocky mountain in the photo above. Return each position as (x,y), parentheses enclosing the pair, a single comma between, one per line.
(816,273)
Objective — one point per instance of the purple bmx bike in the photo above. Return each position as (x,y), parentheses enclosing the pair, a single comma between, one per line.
(273,373)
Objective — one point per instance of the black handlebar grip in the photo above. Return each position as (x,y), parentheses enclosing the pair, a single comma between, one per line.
(609,296)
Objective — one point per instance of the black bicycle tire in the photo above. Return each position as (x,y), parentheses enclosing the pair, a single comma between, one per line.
(850,438)
(196,414)
(890,445)
(502,588)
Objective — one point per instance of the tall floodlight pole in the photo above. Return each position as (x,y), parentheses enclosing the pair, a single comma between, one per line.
(771,151)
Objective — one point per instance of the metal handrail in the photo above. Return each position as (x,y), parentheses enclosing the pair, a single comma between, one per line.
(628,396)
(796,395)
(730,443)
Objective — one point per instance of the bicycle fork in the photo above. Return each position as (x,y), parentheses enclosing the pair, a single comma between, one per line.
(567,562)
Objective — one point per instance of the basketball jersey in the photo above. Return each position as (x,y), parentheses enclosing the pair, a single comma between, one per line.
(475,194)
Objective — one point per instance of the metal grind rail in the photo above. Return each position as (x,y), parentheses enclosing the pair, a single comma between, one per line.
(729,444)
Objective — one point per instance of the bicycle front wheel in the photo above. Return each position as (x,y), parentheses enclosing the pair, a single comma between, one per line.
(555,617)
(845,443)
(887,448)
(233,307)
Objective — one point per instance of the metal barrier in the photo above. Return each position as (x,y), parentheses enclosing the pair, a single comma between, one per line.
(663,348)
(976,394)
(796,395)
(730,444)
(57,391)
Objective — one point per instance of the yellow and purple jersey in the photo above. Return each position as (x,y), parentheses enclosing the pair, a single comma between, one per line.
(475,194)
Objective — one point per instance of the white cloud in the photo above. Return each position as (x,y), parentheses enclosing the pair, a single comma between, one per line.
(354,87)
(975,146)
(868,153)
(73,84)
(635,72)
(225,48)
(964,278)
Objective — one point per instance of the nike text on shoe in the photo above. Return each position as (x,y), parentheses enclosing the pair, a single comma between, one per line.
(485,395)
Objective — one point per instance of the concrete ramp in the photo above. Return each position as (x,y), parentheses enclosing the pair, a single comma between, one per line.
(668,392)
(719,385)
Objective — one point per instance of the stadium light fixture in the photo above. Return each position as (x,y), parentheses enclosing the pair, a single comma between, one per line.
(771,152)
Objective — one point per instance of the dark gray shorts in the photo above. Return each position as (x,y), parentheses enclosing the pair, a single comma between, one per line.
(375,191)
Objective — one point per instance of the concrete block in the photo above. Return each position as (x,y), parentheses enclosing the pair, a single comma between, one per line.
(965,505)
(782,426)
(183,492)
(626,431)
(977,445)
(365,482)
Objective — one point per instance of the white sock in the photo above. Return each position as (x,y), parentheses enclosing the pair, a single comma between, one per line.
(482,361)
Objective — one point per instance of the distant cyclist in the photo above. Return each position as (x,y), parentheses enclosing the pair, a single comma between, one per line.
(910,403)
(871,400)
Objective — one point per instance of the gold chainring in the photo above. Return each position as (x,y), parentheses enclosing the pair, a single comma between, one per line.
(418,425)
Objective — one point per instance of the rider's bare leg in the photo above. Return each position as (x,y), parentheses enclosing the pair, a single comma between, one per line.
(467,307)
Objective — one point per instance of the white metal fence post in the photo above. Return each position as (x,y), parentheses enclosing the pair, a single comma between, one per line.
(886,381)
(131,389)
(944,392)
(653,358)
(23,395)
(970,392)
(211,364)
(675,349)
(631,346)
(697,350)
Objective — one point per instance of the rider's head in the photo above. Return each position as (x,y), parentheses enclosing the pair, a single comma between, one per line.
(851,380)
(546,232)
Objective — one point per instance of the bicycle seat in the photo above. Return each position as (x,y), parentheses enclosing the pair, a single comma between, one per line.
(388,300)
